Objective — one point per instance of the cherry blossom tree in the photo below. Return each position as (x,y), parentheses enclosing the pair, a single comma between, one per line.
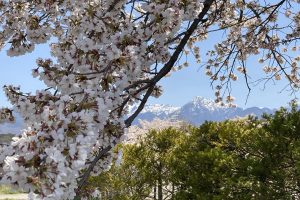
(110,54)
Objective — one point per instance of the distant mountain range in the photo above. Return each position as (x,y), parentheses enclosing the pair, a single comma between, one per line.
(195,112)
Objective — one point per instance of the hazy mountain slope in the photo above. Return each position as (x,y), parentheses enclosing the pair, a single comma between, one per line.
(12,128)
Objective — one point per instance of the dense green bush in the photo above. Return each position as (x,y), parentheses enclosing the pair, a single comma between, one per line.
(237,159)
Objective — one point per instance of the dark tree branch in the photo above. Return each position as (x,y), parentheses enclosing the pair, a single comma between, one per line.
(87,173)
(169,65)
(130,119)
(164,71)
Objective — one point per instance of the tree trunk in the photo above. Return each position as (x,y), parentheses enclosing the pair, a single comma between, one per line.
(154,191)
(173,189)
(160,184)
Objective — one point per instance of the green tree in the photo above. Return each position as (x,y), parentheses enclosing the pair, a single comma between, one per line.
(144,170)
(235,159)
(241,159)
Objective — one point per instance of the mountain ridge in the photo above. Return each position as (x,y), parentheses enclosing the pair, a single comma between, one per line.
(197,111)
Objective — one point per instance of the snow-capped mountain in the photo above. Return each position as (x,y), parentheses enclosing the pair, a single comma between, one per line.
(197,111)
(194,112)
(160,111)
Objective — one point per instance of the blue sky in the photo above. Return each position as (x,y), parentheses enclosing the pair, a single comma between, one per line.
(17,71)
(180,88)
(183,85)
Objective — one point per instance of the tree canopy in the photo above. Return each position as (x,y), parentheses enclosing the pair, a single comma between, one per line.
(236,159)
(110,54)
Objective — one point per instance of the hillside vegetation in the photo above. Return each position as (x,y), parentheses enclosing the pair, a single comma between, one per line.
(5,138)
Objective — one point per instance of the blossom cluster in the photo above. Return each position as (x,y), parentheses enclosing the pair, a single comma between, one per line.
(106,54)
(266,31)
(101,50)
